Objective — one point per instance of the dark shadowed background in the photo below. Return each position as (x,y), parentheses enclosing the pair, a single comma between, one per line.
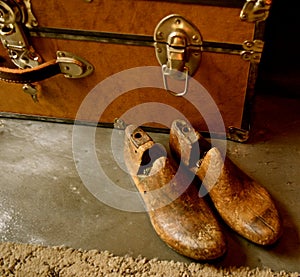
(279,71)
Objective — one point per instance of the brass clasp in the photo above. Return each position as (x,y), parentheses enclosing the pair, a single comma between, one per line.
(178,49)
(13,17)
(255,10)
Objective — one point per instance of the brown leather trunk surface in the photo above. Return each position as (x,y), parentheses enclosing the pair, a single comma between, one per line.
(224,76)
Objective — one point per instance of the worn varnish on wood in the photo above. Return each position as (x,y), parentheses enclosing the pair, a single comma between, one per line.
(182,219)
(244,204)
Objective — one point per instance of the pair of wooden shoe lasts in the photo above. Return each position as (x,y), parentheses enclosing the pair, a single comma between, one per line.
(182,218)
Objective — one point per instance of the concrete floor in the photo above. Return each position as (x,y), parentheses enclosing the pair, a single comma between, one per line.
(44,201)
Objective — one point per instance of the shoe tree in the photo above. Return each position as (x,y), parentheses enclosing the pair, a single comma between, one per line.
(182,219)
(243,203)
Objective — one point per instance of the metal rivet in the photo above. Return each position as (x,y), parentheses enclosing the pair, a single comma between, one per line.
(186,129)
(249,44)
(244,16)
(195,37)
(61,54)
(246,57)
(160,34)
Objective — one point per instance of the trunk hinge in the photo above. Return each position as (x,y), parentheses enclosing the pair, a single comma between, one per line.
(252,50)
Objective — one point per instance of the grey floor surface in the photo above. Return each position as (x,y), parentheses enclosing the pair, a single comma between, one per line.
(50,195)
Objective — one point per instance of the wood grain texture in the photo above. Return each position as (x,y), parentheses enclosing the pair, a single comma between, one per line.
(179,216)
(244,204)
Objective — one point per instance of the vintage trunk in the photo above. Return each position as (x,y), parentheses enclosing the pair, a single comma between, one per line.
(113,36)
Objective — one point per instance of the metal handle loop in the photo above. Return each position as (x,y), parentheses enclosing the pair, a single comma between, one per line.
(168,72)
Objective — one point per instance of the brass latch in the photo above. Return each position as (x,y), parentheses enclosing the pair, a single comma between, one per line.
(178,49)
(15,18)
(255,10)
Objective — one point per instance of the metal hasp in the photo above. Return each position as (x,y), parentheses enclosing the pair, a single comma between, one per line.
(255,10)
(13,17)
(16,18)
(178,49)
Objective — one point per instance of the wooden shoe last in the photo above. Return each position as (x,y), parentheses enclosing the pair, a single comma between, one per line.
(245,205)
(180,218)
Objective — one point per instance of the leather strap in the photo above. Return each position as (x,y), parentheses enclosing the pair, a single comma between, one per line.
(30,75)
